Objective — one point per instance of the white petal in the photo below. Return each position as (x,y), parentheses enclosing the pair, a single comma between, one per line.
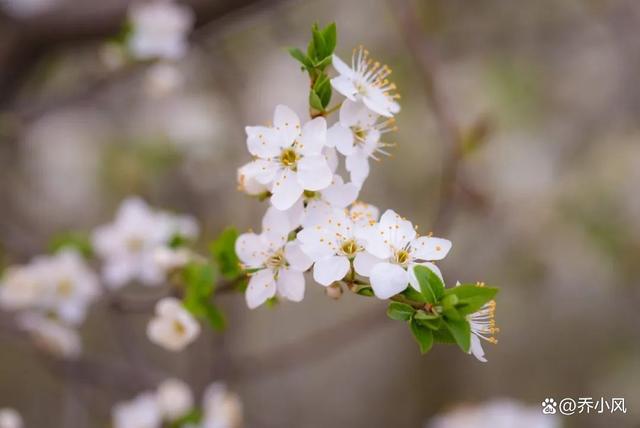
(263,171)
(261,287)
(341,67)
(345,86)
(296,258)
(331,155)
(330,270)
(398,231)
(262,141)
(117,273)
(316,212)
(314,136)
(429,248)
(380,102)
(314,173)
(251,249)
(317,242)
(388,279)
(354,113)
(374,241)
(476,348)
(412,276)
(291,284)
(340,194)
(276,225)
(364,262)
(358,165)
(286,190)
(287,123)
(341,137)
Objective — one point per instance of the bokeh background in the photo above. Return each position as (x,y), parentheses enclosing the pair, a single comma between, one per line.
(541,200)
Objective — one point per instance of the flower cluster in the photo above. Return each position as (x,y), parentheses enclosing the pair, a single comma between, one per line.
(315,224)
(52,295)
(173,403)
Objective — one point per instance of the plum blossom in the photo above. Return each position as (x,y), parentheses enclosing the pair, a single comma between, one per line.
(357,136)
(175,399)
(51,336)
(367,81)
(20,287)
(222,408)
(483,326)
(333,245)
(364,214)
(10,418)
(141,412)
(277,265)
(128,245)
(395,244)
(160,29)
(289,158)
(173,327)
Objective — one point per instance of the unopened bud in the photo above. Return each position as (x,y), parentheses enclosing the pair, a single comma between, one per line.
(334,291)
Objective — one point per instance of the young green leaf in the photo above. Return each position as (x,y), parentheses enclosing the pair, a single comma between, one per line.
(77,241)
(423,336)
(314,101)
(214,316)
(471,297)
(301,57)
(461,332)
(224,252)
(443,335)
(330,36)
(400,311)
(431,285)
(319,44)
(411,294)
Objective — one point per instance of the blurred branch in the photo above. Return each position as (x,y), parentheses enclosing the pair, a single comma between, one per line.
(424,52)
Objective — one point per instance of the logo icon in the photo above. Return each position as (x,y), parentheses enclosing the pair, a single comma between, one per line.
(549,406)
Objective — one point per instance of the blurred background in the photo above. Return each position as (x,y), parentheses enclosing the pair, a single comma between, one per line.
(518,140)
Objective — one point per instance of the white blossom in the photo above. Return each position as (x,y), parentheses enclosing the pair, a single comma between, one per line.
(483,326)
(364,214)
(395,249)
(10,418)
(174,398)
(141,412)
(333,244)
(20,287)
(278,265)
(357,135)
(51,336)
(128,245)
(367,81)
(499,413)
(289,157)
(222,409)
(160,29)
(173,327)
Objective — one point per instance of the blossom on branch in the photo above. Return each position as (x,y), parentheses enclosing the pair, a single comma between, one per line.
(173,327)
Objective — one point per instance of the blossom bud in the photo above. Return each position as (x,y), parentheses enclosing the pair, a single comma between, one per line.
(334,291)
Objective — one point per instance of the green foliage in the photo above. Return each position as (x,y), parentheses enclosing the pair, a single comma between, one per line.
(77,241)
(192,418)
(436,314)
(315,61)
(224,253)
(199,279)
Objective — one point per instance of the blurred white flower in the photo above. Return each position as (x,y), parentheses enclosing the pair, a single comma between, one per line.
(174,399)
(222,409)
(128,245)
(160,29)
(173,327)
(141,412)
(51,336)
(289,157)
(501,413)
(10,418)
(163,78)
(20,287)
(366,82)
(395,244)
(169,259)
(279,264)
(483,326)
(357,136)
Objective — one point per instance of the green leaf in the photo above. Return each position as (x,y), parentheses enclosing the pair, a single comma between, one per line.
(411,294)
(432,321)
(422,315)
(77,241)
(314,101)
(431,285)
(214,316)
(471,297)
(322,64)
(423,336)
(400,311)
(194,417)
(461,332)
(443,335)
(322,87)
(301,57)
(365,291)
(178,240)
(223,251)
(330,36)
(319,44)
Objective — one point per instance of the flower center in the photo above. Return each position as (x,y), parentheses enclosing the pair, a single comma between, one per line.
(349,248)
(359,133)
(135,244)
(65,288)
(289,158)
(402,257)
(179,328)
(277,260)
